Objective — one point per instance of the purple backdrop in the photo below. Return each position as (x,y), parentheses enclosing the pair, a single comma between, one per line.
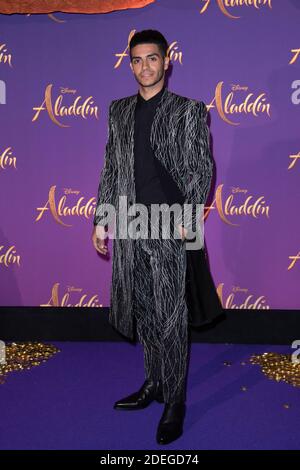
(241,60)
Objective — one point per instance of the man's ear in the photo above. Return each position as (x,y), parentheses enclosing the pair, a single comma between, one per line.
(166,62)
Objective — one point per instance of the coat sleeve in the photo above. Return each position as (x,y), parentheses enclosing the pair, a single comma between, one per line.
(198,161)
(108,176)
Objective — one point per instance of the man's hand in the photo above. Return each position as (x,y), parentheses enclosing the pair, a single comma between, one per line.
(183,231)
(98,239)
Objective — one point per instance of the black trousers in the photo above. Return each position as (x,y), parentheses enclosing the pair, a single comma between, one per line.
(161,311)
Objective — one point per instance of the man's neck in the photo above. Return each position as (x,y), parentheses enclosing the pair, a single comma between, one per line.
(147,92)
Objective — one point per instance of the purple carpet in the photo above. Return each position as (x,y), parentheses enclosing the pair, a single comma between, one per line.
(67,402)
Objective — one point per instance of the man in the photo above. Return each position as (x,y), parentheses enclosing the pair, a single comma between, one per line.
(157,153)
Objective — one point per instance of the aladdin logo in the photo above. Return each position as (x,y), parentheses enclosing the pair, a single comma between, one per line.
(249,207)
(295,57)
(294,260)
(294,159)
(9,256)
(248,303)
(172,52)
(251,104)
(52,17)
(55,301)
(62,210)
(60,110)
(4,58)
(224,4)
(7,160)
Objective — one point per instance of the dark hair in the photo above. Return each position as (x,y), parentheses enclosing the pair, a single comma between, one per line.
(149,36)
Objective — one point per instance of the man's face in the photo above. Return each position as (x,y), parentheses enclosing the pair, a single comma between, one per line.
(148,66)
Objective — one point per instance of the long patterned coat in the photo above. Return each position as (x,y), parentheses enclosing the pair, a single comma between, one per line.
(180,140)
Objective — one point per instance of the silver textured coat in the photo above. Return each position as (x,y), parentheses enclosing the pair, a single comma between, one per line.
(180,141)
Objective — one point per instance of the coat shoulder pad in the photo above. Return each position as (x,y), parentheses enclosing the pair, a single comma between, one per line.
(200,105)
(117,104)
(191,102)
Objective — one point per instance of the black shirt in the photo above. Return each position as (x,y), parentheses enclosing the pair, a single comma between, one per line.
(153,183)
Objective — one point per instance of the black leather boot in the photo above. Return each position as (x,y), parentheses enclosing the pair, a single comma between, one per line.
(148,392)
(170,426)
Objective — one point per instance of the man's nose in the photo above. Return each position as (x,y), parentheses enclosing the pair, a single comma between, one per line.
(145,66)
